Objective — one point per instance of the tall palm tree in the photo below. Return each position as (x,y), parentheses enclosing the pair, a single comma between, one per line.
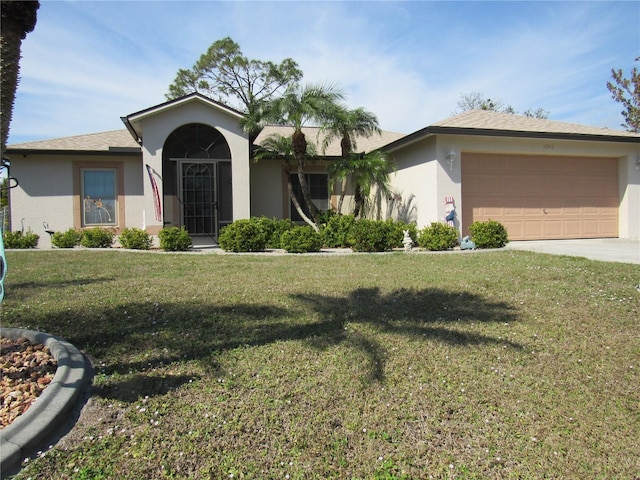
(347,125)
(298,107)
(278,147)
(18,19)
(371,170)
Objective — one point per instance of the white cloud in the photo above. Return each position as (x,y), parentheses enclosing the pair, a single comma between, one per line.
(88,63)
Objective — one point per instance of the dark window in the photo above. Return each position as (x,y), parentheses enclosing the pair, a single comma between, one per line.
(318,188)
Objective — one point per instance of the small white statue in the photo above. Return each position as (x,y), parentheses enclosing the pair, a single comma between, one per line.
(406,241)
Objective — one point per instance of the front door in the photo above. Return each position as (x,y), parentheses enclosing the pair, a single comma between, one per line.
(199,197)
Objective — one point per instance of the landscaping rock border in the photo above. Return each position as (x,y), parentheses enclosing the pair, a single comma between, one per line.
(48,412)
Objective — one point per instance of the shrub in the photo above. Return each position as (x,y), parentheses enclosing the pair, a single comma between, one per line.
(96,238)
(272,229)
(396,232)
(243,235)
(489,234)
(135,239)
(301,240)
(20,240)
(337,230)
(371,236)
(438,236)
(68,239)
(174,239)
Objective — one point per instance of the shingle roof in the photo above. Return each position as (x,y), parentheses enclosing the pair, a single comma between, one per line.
(92,142)
(122,139)
(314,135)
(487,123)
(488,120)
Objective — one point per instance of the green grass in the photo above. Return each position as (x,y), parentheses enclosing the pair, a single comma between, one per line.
(473,365)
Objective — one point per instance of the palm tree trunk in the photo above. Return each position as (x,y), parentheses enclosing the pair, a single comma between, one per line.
(359,202)
(343,191)
(299,144)
(294,200)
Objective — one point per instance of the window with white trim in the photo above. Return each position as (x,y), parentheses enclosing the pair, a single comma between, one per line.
(99,193)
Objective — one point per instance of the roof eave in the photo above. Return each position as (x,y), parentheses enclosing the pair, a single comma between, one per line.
(137,136)
(487,132)
(407,140)
(113,151)
(136,116)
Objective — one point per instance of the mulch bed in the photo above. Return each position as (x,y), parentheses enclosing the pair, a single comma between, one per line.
(26,369)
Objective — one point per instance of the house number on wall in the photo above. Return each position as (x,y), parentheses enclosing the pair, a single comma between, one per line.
(547,146)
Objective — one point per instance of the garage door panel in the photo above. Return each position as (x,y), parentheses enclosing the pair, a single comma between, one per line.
(591,227)
(541,197)
(552,228)
(530,229)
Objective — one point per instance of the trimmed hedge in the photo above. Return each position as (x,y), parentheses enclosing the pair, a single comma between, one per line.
(245,235)
(372,236)
(396,232)
(272,229)
(174,239)
(68,239)
(96,238)
(135,239)
(489,234)
(337,230)
(438,236)
(301,239)
(18,239)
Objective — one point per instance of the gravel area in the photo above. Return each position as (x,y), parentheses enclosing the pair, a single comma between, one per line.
(26,369)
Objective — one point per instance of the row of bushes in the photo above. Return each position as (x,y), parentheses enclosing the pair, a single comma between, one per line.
(20,239)
(171,239)
(260,233)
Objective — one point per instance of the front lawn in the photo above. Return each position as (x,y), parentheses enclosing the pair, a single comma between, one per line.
(385,366)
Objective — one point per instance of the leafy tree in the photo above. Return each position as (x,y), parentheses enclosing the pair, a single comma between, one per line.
(627,92)
(347,125)
(18,19)
(226,75)
(478,101)
(299,106)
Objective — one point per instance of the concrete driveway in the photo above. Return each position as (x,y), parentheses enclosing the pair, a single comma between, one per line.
(604,249)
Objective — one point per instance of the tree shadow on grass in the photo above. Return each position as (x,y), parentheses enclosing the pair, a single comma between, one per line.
(421,314)
(23,290)
(136,339)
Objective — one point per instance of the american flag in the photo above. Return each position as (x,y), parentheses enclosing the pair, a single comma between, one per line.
(156,194)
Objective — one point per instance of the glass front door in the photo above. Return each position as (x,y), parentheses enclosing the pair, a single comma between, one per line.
(199,197)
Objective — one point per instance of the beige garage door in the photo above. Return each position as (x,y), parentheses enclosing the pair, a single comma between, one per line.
(541,197)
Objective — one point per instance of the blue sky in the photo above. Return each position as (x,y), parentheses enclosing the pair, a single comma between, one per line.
(86,64)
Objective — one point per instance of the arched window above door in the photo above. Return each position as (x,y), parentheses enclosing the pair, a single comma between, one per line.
(196,140)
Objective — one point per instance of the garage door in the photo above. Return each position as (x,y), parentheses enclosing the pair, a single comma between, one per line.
(541,197)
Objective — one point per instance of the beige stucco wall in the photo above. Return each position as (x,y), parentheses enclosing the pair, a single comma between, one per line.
(157,127)
(424,171)
(46,191)
(267,193)
(416,182)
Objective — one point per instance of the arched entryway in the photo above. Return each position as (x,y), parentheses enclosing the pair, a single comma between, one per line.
(196,164)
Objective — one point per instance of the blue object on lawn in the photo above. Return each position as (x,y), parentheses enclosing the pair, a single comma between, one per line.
(467,244)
